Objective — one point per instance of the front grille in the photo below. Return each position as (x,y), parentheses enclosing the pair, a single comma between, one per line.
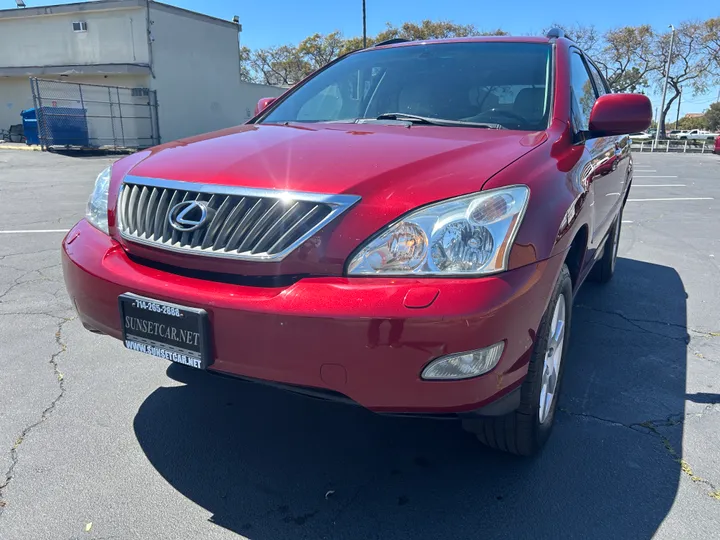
(240,223)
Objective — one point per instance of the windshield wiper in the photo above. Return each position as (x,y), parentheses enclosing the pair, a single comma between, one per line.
(415,119)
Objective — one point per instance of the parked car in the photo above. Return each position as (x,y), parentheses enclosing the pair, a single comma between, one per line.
(697,135)
(675,133)
(717,146)
(641,136)
(404,230)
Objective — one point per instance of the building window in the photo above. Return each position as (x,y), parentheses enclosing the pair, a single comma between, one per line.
(79,26)
(140,92)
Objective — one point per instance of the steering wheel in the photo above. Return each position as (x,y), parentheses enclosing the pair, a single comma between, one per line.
(490,114)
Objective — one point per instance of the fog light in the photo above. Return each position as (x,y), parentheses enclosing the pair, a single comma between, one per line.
(464,365)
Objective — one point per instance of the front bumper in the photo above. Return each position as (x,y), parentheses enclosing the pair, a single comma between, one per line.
(354,336)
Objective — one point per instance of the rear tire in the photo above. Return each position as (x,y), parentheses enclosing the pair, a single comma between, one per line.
(604,268)
(524,431)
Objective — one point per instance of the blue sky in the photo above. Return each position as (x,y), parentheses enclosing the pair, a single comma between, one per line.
(275,22)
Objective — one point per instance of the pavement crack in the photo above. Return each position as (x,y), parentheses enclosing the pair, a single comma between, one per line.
(685,467)
(635,322)
(652,428)
(14,451)
(597,418)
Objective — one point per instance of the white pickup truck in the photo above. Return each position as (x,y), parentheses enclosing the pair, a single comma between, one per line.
(697,135)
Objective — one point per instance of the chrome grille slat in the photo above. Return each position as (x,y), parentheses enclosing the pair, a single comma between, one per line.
(260,225)
(199,234)
(167,229)
(216,222)
(285,238)
(220,241)
(242,223)
(123,202)
(149,210)
(160,215)
(274,229)
(141,205)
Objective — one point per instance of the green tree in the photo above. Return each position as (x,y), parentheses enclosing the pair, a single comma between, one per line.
(712,116)
(691,66)
(246,69)
(693,122)
(319,50)
(626,57)
(425,29)
(282,66)
(711,40)
(585,36)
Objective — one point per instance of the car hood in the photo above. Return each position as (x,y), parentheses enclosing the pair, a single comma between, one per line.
(424,163)
(393,168)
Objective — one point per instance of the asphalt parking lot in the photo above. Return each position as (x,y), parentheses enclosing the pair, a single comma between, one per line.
(98,442)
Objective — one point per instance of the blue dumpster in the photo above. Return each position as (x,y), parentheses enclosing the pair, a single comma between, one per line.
(56,126)
(30,128)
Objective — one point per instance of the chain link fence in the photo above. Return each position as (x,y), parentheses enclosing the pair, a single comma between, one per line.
(81,115)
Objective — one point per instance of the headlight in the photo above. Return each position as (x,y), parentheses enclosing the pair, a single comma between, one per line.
(469,235)
(97,207)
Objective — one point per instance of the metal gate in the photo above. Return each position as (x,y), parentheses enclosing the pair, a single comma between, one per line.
(94,116)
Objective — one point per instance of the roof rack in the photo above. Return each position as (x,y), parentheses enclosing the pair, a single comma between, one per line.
(555,33)
(391,42)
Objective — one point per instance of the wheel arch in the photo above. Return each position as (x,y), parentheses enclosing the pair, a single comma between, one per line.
(576,255)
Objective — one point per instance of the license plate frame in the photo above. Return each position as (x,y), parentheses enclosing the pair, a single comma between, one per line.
(149,330)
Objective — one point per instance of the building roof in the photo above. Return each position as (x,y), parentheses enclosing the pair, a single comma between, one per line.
(106,5)
(694,115)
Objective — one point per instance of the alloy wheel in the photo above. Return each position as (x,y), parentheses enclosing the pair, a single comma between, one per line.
(553,358)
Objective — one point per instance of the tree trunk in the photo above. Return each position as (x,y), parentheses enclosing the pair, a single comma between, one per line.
(666,110)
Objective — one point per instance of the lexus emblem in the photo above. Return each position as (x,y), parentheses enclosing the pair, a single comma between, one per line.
(188,216)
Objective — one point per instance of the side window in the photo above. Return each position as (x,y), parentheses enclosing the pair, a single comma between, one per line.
(583,93)
(598,80)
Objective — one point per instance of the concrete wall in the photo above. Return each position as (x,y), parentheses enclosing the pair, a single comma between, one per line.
(112,37)
(197,77)
(251,93)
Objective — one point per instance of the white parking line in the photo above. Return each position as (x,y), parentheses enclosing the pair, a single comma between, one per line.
(658,185)
(30,231)
(654,176)
(675,199)
(627,221)
(644,170)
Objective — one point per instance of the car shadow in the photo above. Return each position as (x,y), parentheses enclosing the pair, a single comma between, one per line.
(272,465)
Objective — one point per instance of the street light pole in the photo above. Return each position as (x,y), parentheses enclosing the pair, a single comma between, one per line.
(364,26)
(664,94)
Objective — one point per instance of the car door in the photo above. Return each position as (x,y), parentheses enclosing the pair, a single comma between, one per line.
(606,170)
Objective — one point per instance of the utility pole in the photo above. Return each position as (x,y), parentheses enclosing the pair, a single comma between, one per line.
(664,94)
(364,26)
(677,118)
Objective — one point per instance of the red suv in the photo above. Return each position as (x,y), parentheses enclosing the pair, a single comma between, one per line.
(404,230)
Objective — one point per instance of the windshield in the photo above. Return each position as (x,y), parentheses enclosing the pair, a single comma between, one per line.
(505,85)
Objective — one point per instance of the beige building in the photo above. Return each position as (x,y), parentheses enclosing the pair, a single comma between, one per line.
(190,59)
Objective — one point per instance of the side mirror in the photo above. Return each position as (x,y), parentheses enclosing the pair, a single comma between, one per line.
(620,114)
(263,104)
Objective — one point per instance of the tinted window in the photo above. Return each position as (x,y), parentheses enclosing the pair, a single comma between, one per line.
(598,80)
(503,83)
(583,92)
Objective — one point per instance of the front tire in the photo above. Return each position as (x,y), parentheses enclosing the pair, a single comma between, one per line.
(524,431)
